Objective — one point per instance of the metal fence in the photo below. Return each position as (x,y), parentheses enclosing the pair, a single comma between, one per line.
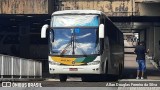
(12,67)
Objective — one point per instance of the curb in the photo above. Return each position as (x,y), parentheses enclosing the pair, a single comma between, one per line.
(152,62)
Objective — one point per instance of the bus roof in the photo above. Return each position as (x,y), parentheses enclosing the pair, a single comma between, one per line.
(77,12)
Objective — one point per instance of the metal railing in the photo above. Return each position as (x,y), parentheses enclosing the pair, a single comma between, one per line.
(15,67)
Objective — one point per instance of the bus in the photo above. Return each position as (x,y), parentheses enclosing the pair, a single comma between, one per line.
(85,43)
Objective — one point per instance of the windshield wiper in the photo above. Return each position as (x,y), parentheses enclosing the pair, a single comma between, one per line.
(73,45)
(84,53)
(65,49)
(71,42)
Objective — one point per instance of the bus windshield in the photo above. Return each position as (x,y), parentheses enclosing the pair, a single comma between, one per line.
(74,20)
(74,41)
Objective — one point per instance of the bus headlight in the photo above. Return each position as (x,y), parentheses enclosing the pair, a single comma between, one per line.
(54,63)
(93,63)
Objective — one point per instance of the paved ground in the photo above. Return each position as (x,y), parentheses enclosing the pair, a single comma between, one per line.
(129,74)
(130,68)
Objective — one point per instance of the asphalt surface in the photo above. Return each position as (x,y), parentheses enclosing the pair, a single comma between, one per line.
(129,74)
(75,83)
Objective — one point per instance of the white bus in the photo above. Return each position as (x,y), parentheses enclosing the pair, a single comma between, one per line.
(85,43)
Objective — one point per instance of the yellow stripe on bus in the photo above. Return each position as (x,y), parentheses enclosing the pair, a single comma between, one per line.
(66,61)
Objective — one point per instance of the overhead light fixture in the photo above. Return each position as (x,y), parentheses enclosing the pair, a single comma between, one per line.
(19,15)
(36,23)
(33,28)
(14,26)
(29,16)
(12,19)
(47,20)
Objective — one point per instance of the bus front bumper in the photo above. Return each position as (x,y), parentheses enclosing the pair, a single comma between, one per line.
(85,69)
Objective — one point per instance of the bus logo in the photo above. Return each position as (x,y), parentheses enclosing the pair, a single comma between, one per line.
(73,62)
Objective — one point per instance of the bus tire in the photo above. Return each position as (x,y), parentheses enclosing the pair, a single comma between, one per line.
(106,67)
(84,79)
(63,77)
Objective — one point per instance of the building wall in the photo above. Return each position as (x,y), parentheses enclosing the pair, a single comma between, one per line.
(148,9)
(39,51)
(23,6)
(110,7)
(147,1)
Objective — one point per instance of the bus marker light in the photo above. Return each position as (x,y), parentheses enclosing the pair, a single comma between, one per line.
(97,69)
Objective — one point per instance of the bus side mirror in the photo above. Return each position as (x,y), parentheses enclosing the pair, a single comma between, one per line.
(101,31)
(43,30)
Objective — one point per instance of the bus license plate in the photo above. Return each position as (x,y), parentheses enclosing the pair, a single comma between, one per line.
(73,69)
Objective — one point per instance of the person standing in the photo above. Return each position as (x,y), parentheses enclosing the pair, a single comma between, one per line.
(140,52)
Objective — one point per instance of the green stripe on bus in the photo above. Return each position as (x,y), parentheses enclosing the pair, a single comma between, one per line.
(85,59)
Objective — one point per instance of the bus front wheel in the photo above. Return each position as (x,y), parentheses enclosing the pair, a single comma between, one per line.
(63,77)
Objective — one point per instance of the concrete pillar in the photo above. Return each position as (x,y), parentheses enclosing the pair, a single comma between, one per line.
(150,40)
(142,35)
(147,38)
(157,43)
(24,30)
